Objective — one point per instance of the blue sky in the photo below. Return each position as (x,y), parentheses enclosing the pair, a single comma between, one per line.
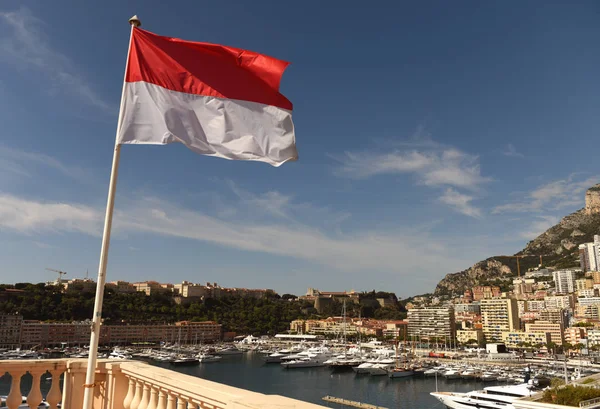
(431,135)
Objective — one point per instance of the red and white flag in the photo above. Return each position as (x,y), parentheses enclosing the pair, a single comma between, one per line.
(216,100)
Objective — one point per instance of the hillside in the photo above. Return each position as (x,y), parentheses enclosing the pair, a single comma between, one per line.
(558,247)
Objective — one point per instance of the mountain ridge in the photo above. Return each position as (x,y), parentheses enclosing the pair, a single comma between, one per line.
(558,247)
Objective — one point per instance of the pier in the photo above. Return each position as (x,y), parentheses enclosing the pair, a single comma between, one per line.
(353,403)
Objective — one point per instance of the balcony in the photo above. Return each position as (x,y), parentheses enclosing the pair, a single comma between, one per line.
(131,385)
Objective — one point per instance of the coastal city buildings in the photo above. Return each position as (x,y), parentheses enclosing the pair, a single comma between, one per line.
(431,323)
(336,327)
(10,330)
(589,255)
(16,332)
(470,336)
(186,289)
(499,315)
(564,281)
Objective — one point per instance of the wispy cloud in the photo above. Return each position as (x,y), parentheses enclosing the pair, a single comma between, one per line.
(20,163)
(29,217)
(551,196)
(432,167)
(511,151)
(359,251)
(27,47)
(431,163)
(272,202)
(460,202)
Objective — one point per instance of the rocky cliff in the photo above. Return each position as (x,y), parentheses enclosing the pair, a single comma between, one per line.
(558,247)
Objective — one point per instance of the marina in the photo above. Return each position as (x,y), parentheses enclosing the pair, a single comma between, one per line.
(250,369)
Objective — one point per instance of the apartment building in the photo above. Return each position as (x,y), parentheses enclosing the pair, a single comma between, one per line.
(574,335)
(499,315)
(153,287)
(471,308)
(485,291)
(555,330)
(468,335)
(36,333)
(564,281)
(79,285)
(589,255)
(396,330)
(559,301)
(122,287)
(10,330)
(593,337)
(428,323)
(584,284)
(518,338)
(555,315)
(187,289)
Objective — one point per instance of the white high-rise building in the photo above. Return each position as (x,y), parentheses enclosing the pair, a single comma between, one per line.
(499,315)
(589,255)
(564,281)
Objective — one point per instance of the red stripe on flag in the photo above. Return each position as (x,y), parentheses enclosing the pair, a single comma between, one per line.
(206,69)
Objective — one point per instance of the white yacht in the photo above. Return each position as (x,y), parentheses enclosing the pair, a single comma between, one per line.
(229,351)
(363,368)
(381,368)
(116,354)
(400,373)
(468,373)
(205,358)
(451,374)
(312,358)
(275,357)
(492,397)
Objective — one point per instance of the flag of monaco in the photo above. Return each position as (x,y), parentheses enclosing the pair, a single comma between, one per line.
(216,100)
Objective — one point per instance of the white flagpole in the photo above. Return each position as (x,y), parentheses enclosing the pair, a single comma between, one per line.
(89,385)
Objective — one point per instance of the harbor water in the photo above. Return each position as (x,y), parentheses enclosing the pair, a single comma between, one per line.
(249,371)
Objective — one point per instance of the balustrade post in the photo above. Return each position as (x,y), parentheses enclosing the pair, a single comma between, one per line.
(54,396)
(170,401)
(145,397)
(181,402)
(34,398)
(15,398)
(130,394)
(138,394)
(117,387)
(162,399)
(153,398)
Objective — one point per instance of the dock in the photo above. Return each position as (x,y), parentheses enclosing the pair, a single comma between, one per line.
(348,402)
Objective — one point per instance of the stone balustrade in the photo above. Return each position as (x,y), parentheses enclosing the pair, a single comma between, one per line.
(131,385)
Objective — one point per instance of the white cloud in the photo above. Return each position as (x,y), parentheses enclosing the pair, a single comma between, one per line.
(272,202)
(460,202)
(21,162)
(26,46)
(29,217)
(511,151)
(551,196)
(396,251)
(432,165)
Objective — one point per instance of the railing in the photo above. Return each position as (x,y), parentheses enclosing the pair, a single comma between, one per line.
(132,385)
(590,403)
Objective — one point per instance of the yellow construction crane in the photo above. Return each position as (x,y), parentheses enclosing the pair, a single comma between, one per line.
(518,265)
(60,274)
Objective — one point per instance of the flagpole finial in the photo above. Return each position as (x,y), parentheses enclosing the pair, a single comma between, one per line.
(135,21)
